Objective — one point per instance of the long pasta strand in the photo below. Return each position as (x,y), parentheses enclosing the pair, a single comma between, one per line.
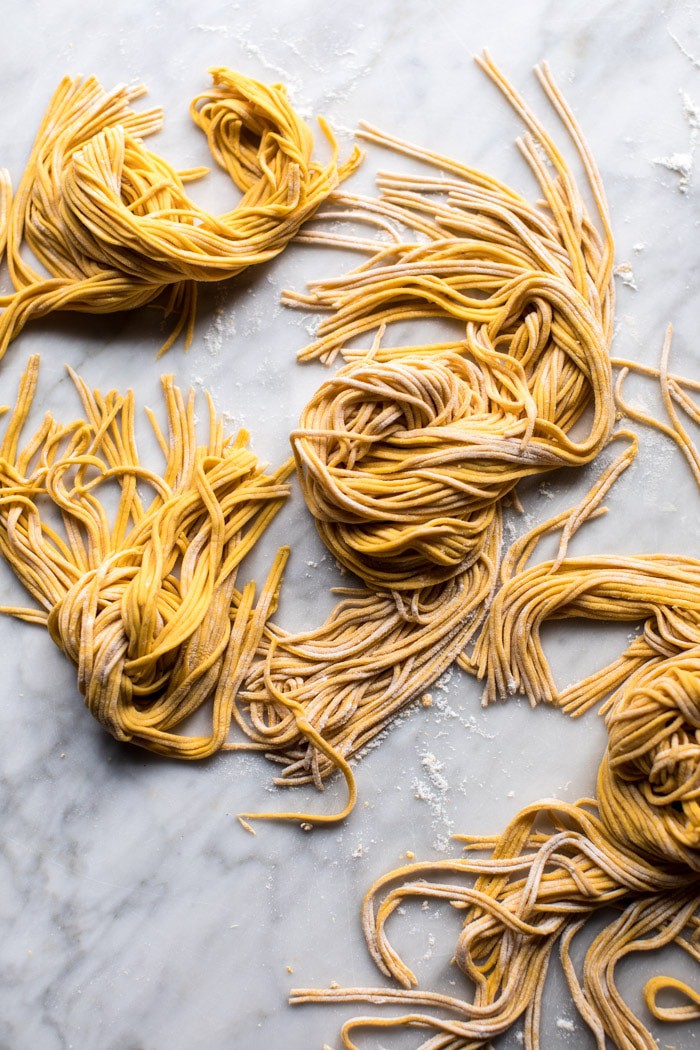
(407,454)
(111,222)
(147,606)
(636,850)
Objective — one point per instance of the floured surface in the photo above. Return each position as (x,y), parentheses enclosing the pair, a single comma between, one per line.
(137,913)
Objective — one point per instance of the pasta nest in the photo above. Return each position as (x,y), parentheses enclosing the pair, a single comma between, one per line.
(635,851)
(146,606)
(649,779)
(405,462)
(111,221)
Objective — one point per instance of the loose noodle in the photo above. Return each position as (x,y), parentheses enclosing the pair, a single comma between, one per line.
(147,607)
(637,850)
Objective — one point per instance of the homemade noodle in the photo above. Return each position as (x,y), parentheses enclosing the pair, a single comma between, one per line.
(635,849)
(147,606)
(111,222)
(407,455)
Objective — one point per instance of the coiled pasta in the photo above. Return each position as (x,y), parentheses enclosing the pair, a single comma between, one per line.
(635,850)
(407,455)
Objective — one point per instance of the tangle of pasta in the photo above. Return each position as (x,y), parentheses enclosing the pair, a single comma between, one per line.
(147,607)
(635,849)
(658,589)
(111,222)
(407,455)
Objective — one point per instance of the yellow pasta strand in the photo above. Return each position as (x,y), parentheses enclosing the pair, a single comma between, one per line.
(111,222)
(636,850)
(147,606)
(407,454)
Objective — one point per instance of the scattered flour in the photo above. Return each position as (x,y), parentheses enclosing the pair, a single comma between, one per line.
(565,1024)
(220,326)
(431,945)
(443,682)
(682,163)
(691,112)
(433,788)
(626,274)
(691,58)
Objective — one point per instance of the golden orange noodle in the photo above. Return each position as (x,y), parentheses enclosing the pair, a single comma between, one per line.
(407,455)
(110,222)
(147,605)
(635,848)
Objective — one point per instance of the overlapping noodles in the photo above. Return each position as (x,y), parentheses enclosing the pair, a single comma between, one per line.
(111,222)
(649,779)
(534,281)
(661,590)
(355,672)
(637,850)
(405,463)
(146,606)
(406,455)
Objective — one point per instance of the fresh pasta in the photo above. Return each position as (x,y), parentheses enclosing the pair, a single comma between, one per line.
(662,591)
(533,281)
(111,222)
(407,455)
(146,606)
(636,849)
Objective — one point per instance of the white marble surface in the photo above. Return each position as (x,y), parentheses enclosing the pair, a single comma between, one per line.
(136,914)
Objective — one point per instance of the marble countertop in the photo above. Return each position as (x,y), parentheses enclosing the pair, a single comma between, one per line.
(136,913)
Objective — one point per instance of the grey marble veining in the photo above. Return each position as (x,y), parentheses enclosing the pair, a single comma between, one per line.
(136,914)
